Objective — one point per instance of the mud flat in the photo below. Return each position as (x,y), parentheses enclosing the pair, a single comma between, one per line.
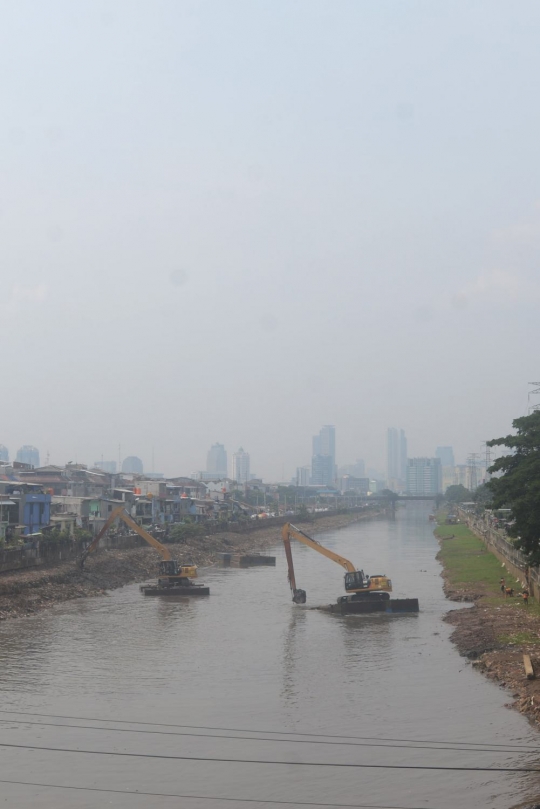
(30,591)
(495,632)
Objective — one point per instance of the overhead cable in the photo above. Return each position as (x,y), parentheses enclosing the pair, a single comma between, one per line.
(267,761)
(209,797)
(468,745)
(388,746)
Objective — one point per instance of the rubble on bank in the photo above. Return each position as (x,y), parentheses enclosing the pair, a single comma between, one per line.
(494,634)
(29,591)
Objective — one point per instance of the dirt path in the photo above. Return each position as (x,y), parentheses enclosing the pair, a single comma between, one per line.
(29,591)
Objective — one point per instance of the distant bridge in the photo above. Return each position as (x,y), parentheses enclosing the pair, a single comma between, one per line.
(403,497)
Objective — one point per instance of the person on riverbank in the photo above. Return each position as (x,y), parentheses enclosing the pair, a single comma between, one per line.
(525,596)
(503,586)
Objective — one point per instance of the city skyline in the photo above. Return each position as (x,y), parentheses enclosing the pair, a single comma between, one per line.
(349,467)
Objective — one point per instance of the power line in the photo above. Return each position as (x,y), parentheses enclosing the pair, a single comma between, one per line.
(207,797)
(267,761)
(405,746)
(269,732)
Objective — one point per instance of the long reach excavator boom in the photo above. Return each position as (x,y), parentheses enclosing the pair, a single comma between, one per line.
(356,581)
(120,514)
(174,579)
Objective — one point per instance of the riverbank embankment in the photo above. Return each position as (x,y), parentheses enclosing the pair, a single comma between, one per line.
(27,592)
(497,630)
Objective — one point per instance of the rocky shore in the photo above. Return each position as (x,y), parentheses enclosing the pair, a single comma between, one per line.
(32,590)
(495,632)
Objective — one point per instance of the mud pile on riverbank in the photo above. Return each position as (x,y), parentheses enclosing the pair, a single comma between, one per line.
(496,631)
(32,590)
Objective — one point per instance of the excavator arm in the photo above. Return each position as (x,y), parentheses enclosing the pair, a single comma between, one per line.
(120,514)
(299,596)
(290,530)
(355,580)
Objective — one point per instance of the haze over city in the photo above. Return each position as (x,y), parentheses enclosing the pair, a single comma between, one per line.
(240,221)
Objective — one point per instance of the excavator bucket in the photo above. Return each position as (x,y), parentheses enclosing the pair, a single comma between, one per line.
(299,596)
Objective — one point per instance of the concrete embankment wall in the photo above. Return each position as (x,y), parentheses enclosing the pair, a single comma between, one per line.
(43,553)
(501,547)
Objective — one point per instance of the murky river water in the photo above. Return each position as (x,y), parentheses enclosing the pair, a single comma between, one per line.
(248,658)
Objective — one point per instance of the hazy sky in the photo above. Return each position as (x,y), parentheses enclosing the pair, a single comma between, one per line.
(238,220)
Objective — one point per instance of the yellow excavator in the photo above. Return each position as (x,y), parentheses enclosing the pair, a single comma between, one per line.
(357,583)
(174,579)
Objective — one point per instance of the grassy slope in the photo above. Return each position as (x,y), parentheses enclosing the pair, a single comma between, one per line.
(468,564)
(467,561)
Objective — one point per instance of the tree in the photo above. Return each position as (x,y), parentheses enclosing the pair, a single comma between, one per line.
(303,514)
(457,494)
(483,496)
(518,487)
(439,500)
(390,495)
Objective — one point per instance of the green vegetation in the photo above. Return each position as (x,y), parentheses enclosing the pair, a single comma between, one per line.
(518,487)
(303,514)
(469,565)
(467,561)
(483,496)
(458,494)
(519,638)
(184,531)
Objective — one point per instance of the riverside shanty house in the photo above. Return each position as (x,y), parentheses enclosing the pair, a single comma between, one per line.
(23,513)
(65,498)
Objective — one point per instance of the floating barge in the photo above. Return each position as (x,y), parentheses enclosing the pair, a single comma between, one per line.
(184,590)
(351,606)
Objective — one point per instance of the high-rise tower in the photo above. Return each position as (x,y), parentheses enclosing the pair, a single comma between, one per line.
(240,466)
(323,463)
(216,460)
(396,466)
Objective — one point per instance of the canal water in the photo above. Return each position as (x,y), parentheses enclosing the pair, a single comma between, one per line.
(246,667)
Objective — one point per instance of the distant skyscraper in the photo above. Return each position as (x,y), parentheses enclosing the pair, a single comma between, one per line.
(132,465)
(396,467)
(240,466)
(328,442)
(4,454)
(29,455)
(303,474)
(322,470)
(106,466)
(357,470)
(424,476)
(216,460)
(446,455)
(324,446)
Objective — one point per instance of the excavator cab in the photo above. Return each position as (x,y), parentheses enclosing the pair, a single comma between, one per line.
(356,581)
(169,567)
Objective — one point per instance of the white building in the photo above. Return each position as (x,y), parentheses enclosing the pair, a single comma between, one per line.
(303,474)
(240,466)
(424,476)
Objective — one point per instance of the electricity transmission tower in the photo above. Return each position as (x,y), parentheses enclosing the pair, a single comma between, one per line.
(532,393)
(487,458)
(472,462)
